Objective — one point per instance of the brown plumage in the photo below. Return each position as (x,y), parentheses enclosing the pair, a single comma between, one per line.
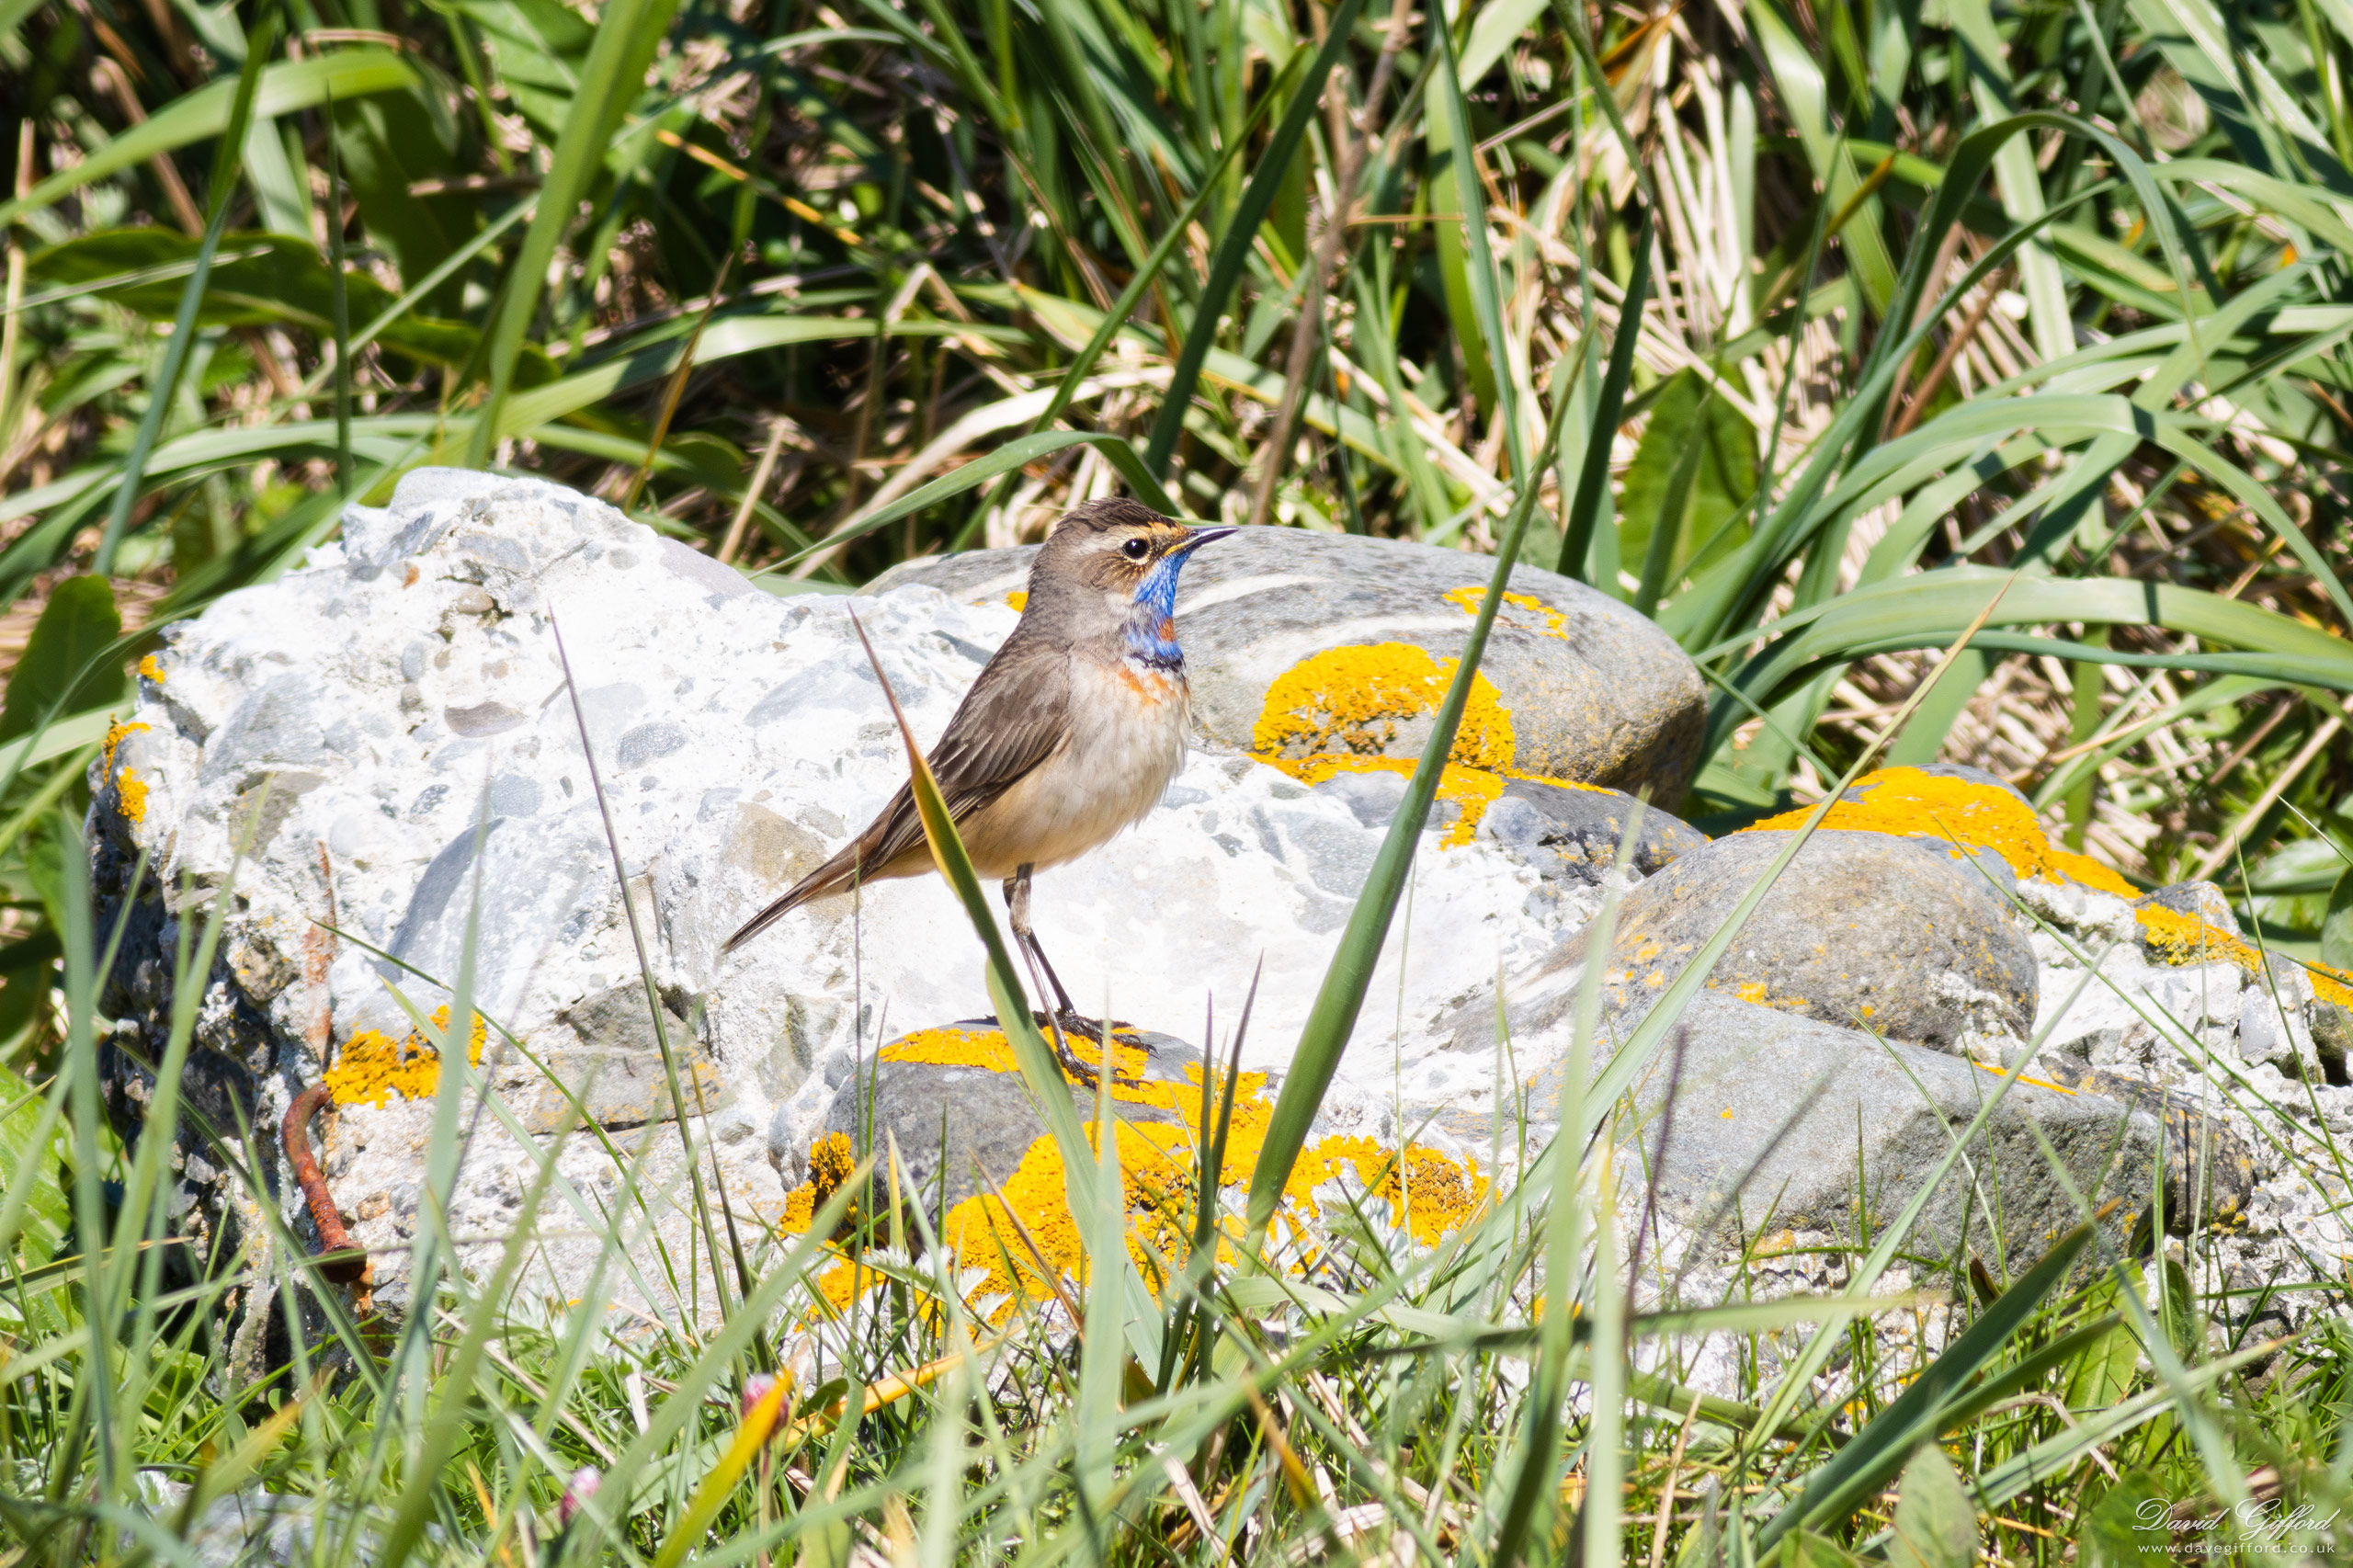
(1072,731)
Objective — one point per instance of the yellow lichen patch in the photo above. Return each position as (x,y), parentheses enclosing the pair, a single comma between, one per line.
(1017,599)
(2172,936)
(1431,1192)
(1355,701)
(129,790)
(1159,1171)
(1472,790)
(1913,802)
(990,1049)
(117,734)
(1338,712)
(152,668)
(371,1068)
(1537,617)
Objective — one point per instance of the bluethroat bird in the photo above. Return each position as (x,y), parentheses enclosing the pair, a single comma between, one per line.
(1071,733)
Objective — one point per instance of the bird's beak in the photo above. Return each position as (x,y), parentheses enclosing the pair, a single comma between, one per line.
(1202,536)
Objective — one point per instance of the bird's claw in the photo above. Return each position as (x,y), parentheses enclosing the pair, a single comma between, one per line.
(1065,1022)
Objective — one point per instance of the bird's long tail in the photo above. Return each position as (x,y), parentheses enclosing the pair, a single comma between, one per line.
(835,875)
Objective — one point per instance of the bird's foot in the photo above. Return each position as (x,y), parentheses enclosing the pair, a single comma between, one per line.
(1066,1022)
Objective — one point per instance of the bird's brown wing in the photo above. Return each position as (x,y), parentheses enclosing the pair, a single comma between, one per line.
(1012,720)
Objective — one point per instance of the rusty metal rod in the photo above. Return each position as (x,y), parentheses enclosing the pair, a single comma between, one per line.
(333,1237)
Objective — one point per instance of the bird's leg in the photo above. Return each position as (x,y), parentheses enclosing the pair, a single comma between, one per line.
(1017,906)
(1016,910)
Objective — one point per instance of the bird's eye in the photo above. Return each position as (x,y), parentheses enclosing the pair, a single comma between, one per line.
(1136,549)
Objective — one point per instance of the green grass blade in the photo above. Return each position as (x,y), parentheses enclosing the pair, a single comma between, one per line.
(1241,234)
(1593,478)
(342,317)
(1445,94)
(162,390)
(1121,309)
(1333,1018)
(1878,1451)
(626,36)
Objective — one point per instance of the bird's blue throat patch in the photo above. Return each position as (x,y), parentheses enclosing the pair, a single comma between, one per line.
(1152,616)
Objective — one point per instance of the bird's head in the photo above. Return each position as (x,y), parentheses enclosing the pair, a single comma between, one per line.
(1121,555)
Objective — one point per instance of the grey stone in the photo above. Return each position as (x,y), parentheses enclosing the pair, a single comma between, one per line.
(277,727)
(614,1067)
(722,580)
(516,795)
(649,742)
(1373,797)
(2203,900)
(1583,827)
(974,1122)
(483,718)
(399,681)
(1860,929)
(1569,833)
(1596,693)
(1775,1117)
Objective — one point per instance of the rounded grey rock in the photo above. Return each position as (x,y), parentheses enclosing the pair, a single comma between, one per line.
(1594,692)
(1861,929)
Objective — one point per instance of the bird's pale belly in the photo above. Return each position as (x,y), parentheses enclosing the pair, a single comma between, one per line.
(1126,742)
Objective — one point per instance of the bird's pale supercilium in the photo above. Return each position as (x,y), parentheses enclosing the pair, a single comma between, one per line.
(1071,733)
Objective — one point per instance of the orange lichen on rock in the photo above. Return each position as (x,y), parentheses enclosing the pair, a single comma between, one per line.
(152,668)
(2173,937)
(1337,711)
(1025,1242)
(989,1048)
(1355,700)
(1017,599)
(1536,615)
(129,790)
(371,1068)
(1914,803)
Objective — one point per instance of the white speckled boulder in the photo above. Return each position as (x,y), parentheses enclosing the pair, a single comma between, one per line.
(392,720)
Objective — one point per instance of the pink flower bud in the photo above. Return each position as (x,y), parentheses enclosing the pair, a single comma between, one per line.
(577,1490)
(756,1387)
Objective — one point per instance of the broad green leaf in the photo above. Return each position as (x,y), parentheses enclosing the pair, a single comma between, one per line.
(2337,928)
(2128,1526)
(1923,610)
(1704,440)
(64,667)
(1497,26)
(1936,1524)
(1593,474)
